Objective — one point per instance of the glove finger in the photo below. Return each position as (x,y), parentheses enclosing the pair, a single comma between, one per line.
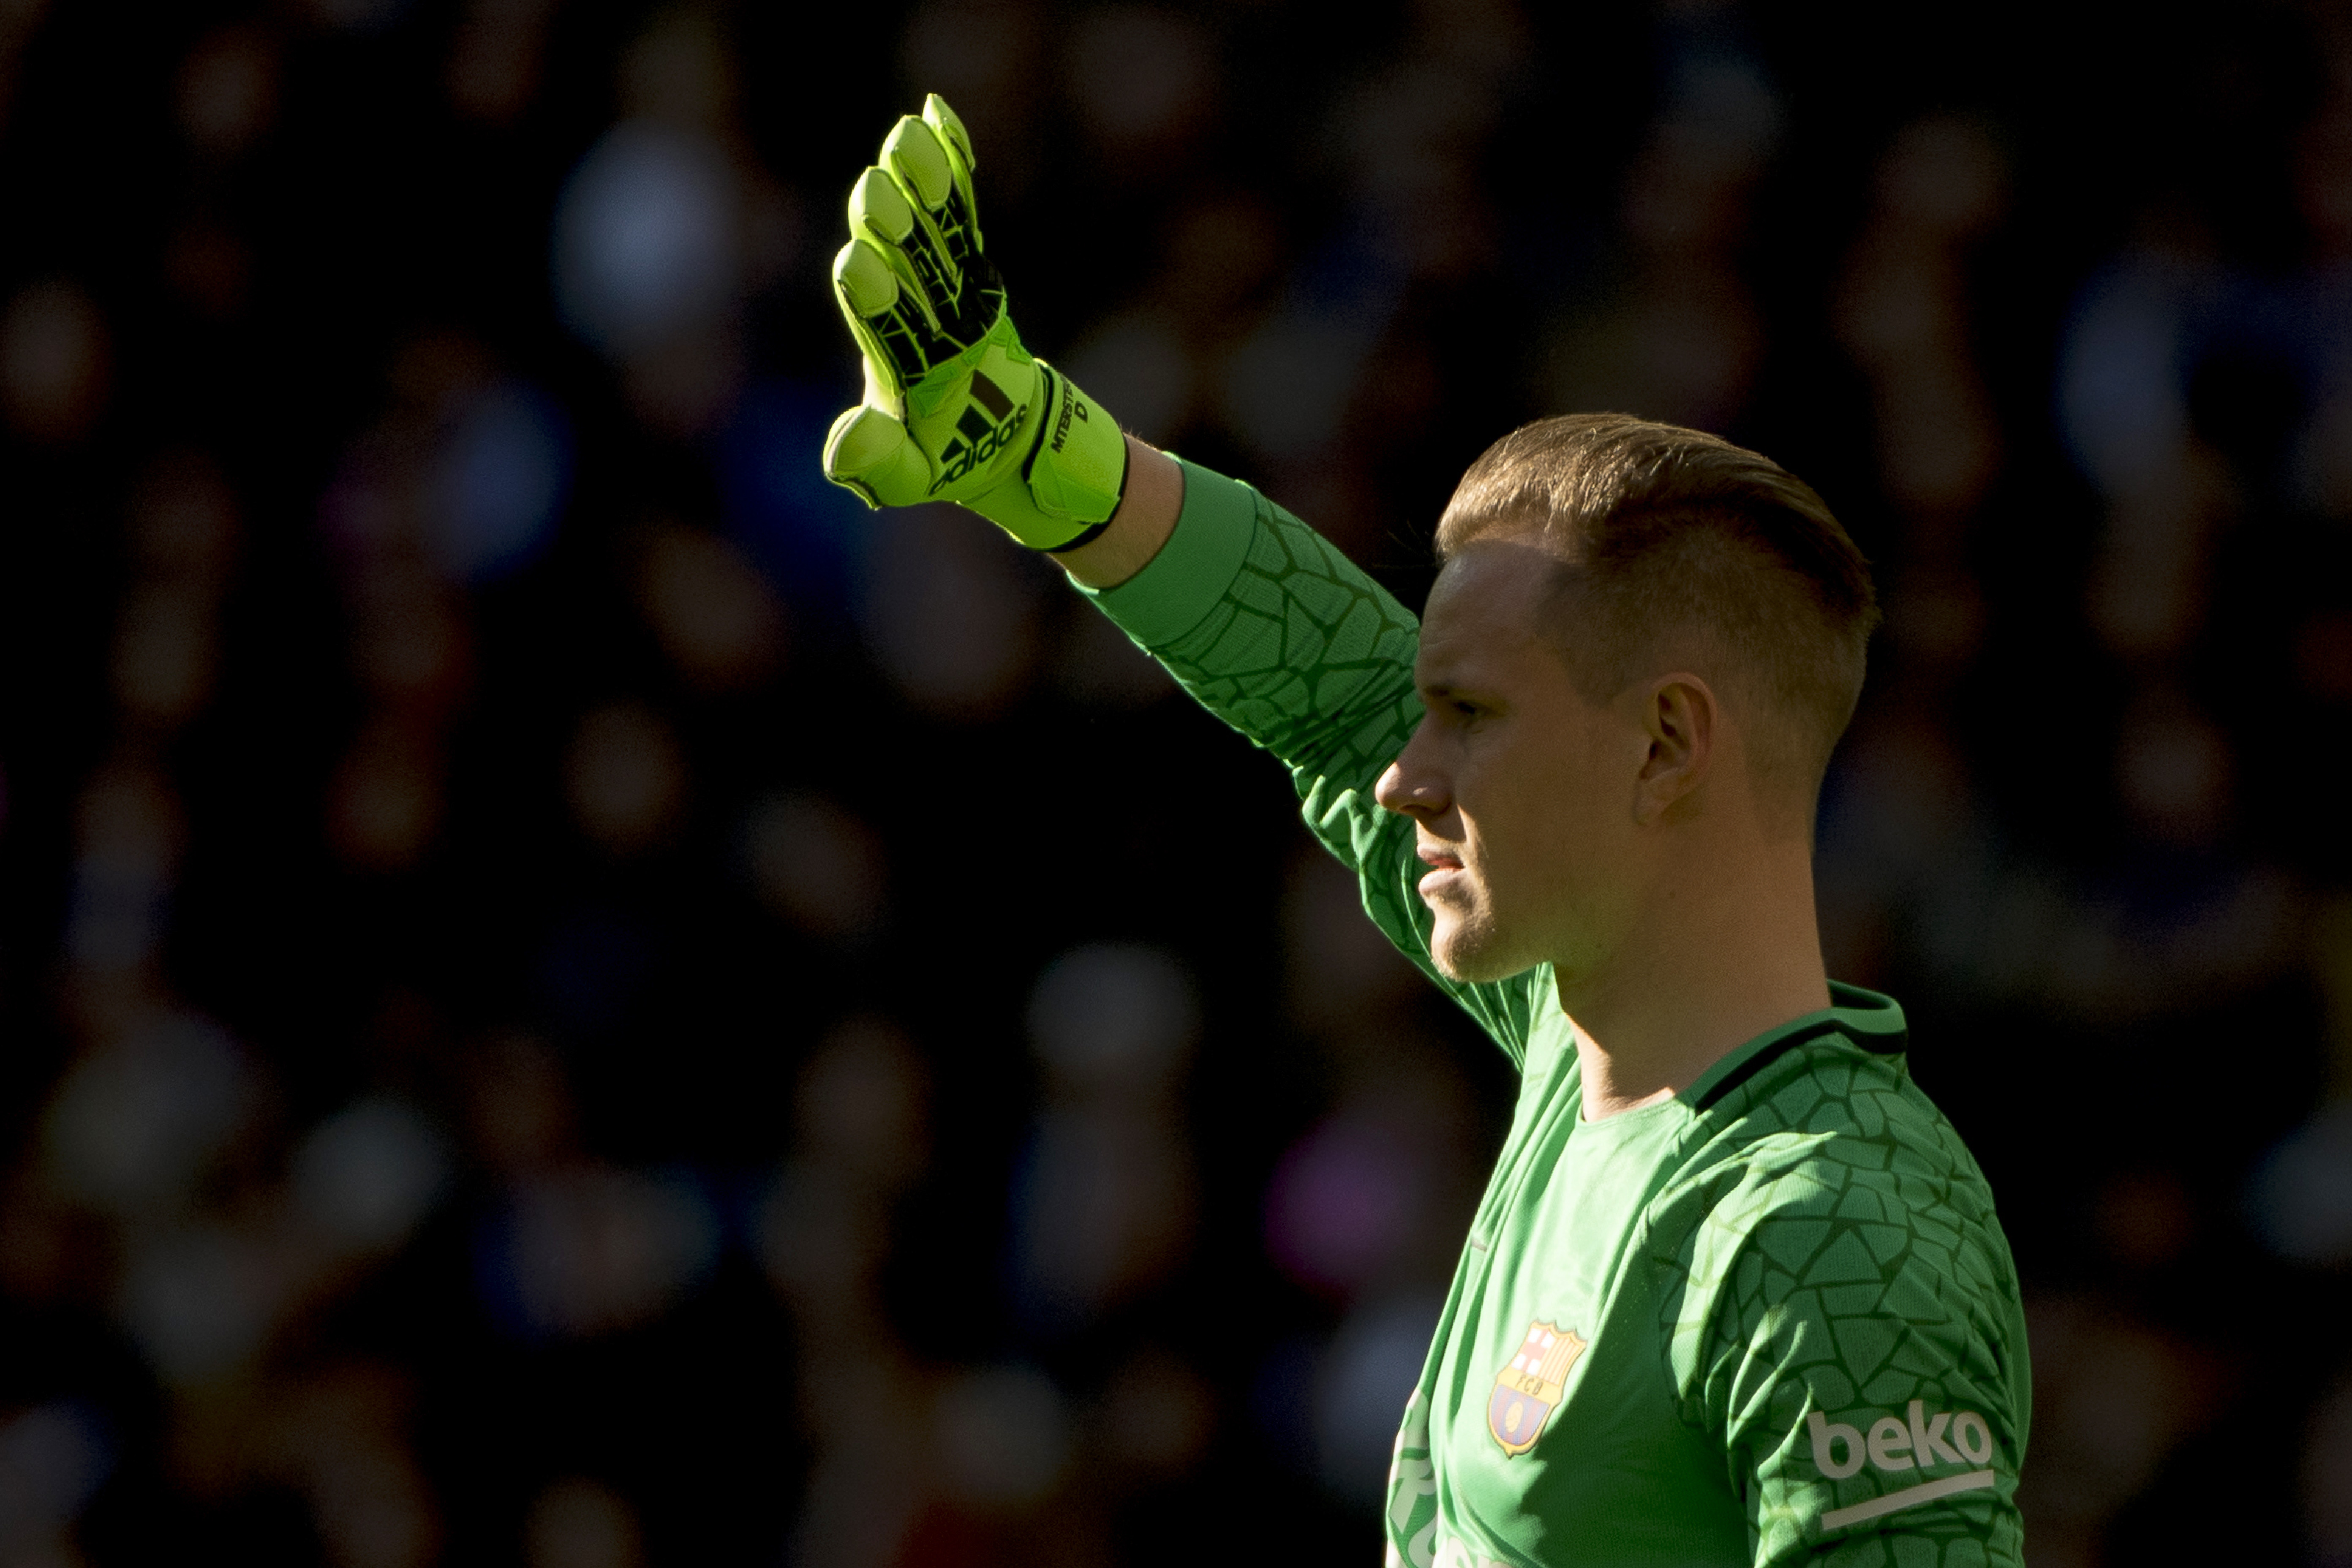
(865,280)
(869,451)
(899,340)
(943,120)
(934,177)
(879,208)
(913,153)
(956,142)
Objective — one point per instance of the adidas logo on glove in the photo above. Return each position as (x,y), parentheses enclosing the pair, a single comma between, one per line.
(988,422)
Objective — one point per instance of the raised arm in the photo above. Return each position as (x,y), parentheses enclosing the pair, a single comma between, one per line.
(1258,616)
(1274,630)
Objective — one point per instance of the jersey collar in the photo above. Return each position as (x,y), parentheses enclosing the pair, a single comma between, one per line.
(1870,1020)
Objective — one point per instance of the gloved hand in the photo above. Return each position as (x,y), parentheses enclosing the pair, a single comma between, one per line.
(955,408)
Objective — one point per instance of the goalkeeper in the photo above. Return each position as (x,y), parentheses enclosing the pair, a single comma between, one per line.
(1735,1292)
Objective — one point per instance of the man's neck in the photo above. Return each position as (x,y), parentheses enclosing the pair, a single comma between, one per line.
(1713,964)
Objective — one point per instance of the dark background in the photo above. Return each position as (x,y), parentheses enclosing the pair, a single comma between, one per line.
(570,996)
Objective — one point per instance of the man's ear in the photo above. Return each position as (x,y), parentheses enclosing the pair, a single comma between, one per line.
(1679,714)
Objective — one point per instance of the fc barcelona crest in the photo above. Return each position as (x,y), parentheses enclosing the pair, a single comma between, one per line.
(1527,1390)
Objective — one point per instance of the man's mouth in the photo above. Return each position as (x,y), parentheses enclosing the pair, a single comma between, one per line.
(1444,866)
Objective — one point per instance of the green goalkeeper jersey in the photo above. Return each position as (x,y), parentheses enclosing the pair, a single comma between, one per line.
(1771,1320)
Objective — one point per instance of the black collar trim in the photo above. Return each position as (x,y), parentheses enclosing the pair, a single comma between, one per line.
(1887,1045)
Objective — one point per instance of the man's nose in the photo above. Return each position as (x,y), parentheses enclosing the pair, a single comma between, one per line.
(1410,785)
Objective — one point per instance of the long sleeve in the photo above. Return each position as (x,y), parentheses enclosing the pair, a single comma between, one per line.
(1278,633)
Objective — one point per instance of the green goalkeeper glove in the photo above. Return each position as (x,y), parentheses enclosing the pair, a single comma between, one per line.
(955,408)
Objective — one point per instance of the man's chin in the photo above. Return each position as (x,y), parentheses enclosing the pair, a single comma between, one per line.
(1467,951)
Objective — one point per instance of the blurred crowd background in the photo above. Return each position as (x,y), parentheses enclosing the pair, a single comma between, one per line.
(573,998)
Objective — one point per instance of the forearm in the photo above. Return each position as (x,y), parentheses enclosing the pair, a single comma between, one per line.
(1260,617)
(1147,510)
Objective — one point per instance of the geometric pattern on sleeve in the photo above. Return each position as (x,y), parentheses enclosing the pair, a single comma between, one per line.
(1839,1308)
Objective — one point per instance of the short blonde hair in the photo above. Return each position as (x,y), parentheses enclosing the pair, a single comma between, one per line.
(1664,532)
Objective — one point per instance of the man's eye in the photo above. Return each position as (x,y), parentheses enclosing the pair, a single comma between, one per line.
(1466,710)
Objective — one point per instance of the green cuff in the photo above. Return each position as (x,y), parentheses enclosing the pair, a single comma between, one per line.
(1190,575)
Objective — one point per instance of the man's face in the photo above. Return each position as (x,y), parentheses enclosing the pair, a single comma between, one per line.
(1521,788)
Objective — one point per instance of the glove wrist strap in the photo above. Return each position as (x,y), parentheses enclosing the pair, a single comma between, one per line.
(1073,478)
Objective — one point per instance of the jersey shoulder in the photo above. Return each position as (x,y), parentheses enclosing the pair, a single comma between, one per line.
(1836,1115)
(1827,1269)
(1829,1168)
